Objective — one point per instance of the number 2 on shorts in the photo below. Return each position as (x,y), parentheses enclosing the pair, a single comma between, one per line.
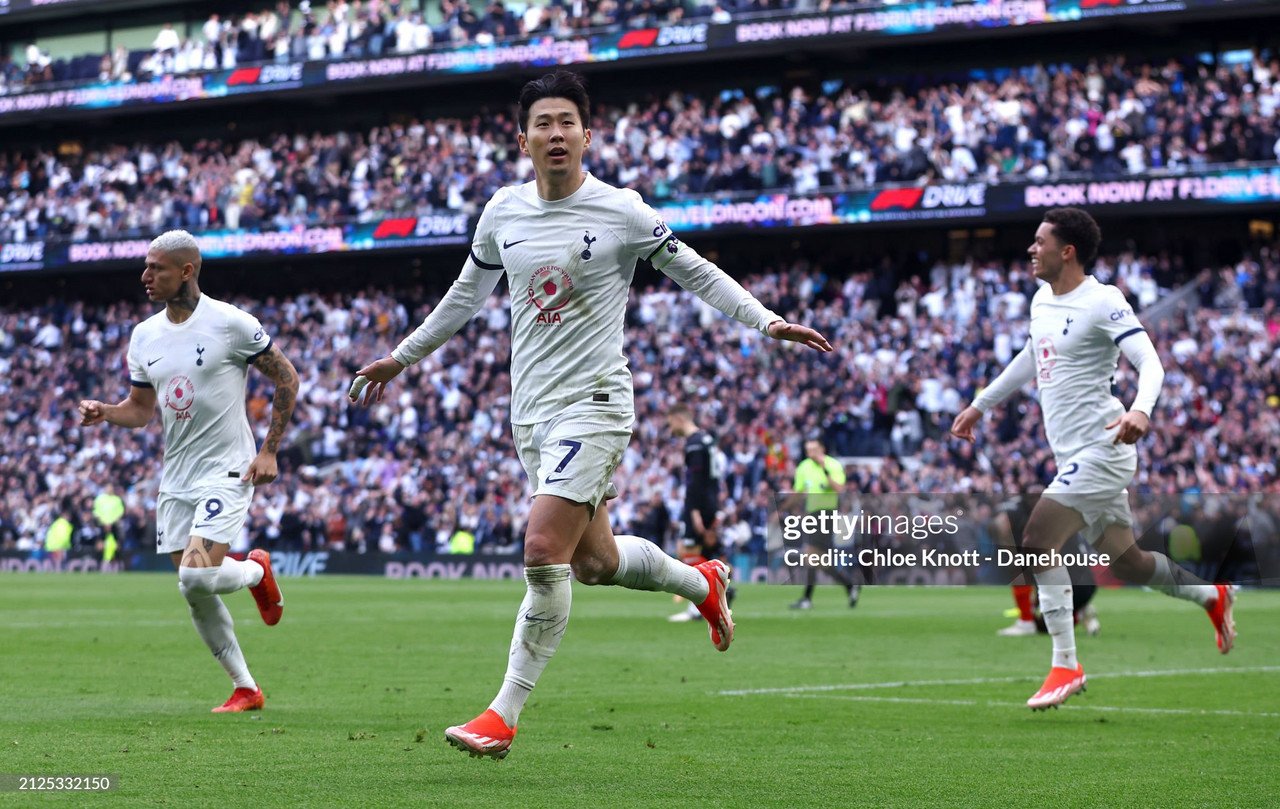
(1071,469)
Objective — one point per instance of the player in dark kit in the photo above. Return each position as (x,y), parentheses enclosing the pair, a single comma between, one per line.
(703,470)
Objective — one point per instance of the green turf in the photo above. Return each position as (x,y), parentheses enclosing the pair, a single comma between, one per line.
(104,674)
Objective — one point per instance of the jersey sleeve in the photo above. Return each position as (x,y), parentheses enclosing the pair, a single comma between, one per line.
(1115,317)
(649,238)
(484,245)
(1020,371)
(248,339)
(137,371)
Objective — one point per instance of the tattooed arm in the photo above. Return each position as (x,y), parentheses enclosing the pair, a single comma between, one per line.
(276,366)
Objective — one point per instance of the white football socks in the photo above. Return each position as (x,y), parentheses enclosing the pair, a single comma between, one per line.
(643,566)
(230,576)
(540,625)
(216,628)
(1178,582)
(1056,606)
(200,586)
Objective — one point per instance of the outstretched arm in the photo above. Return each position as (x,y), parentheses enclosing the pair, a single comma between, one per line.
(465,297)
(1020,371)
(276,367)
(713,285)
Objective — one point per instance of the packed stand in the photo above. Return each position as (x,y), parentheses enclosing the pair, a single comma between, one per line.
(1115,118)
(436,456)
(308,31)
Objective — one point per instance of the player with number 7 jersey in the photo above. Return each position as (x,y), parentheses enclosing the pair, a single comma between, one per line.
(1079,328)
(192,360)
(568,245)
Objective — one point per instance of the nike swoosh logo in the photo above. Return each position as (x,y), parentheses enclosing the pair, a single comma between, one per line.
(555,480)
(508,245)
(153,362)
(536,618)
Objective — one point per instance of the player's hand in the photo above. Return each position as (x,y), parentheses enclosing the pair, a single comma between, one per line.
(1133,426)
(963,426)
(372,380)
(795,333)
(262,469)
(92,412)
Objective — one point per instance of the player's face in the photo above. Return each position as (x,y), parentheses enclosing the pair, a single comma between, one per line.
(555,138)
(813,451)
(1047,254)
(163,276)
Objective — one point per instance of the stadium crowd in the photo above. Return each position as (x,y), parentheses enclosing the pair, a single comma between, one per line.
(1107,117)
(436,456)
(306,30)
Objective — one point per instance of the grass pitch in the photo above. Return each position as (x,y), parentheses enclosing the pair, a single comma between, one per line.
(909,700)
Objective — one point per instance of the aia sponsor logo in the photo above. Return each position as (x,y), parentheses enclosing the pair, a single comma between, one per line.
(1046,358)
(550,290)
(179,396)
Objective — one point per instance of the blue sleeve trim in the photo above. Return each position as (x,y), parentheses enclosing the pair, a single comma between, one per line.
(484,265)
(270,343)
(661,244)
(138,384)
(1129,333)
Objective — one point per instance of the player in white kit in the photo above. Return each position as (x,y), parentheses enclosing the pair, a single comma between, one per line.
(1079,327)
(192,358)
(568,244)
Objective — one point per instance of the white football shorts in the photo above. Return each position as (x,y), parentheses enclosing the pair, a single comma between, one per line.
(1093,482)
(214,511)
(574,454)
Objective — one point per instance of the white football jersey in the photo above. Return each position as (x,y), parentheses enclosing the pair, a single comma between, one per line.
(199,370)
(569,265)
(1075,340)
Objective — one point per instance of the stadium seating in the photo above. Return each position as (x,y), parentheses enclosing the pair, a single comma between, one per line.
(1115,117)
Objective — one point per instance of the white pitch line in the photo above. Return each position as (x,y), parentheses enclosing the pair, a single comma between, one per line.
(808,689)
(1076,705)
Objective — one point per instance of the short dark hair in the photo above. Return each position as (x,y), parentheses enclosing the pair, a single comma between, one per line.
(561,84)
(1076,227)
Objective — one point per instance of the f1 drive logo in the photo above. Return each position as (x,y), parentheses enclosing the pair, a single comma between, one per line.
(930,197)
(661,37)
(265,74)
